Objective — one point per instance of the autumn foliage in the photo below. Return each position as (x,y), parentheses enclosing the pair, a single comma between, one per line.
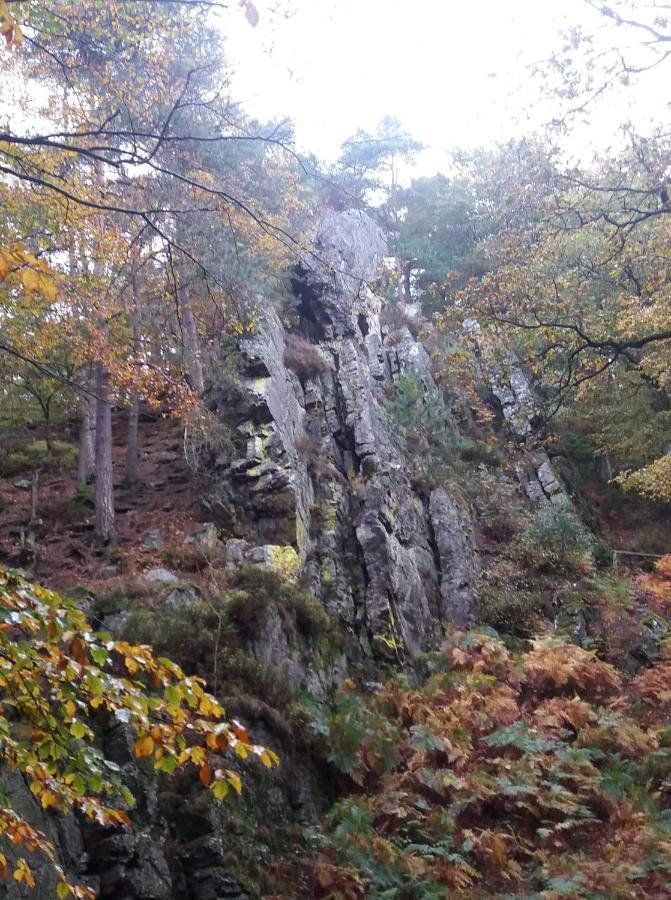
(56,673)
(545,775)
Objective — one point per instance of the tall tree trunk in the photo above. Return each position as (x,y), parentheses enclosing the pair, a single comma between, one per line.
(87,432)
(33,497)
(187,319)
(132,438)
(48,436)
(105,528)
(191,339)
(132,443)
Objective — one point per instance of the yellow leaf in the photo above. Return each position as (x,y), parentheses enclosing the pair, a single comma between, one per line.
(220,789)
(47,799)
(30,280)
(143,746)
(5,266)
(234,780)
(48,287)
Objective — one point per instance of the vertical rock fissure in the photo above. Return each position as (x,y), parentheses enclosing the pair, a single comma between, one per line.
(433,544)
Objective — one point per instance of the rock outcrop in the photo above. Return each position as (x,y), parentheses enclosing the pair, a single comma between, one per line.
(322,466)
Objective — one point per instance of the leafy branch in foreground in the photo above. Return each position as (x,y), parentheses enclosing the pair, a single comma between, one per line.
(55,673)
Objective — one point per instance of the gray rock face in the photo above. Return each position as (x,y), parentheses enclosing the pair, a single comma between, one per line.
(62,831)
(536,475)
(153,540)
(162,576)
(458,561)
(322,468)
(349,249)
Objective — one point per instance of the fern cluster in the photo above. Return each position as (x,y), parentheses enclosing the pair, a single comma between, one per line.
(548,775)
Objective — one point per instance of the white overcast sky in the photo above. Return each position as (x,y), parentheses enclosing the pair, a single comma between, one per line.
(455,72)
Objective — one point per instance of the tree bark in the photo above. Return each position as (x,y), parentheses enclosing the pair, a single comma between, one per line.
(187,319)
(132,438)
(132,443)
(105,527)
(33,498)
(192,355)
(87,432)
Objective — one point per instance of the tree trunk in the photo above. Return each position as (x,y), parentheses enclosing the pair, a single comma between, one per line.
(48,436)
(132,440)
(33,497)
(403,269)
(87,433)
(187,319)
(105,529)
(132,443)
(191,339)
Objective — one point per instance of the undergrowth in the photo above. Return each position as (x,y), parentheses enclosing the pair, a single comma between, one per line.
(34,455)
(542,775)
(215,634)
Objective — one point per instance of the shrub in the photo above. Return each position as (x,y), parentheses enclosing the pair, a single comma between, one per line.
(555,540)
(230,615)
(430,432)
(303,358)
(496,502)
(35,455)
(252,590)
(512,611)
(85,497)
(185,557)
(578,447)
(120,593)
(187,633)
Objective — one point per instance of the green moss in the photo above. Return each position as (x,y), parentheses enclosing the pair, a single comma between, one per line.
(285,561)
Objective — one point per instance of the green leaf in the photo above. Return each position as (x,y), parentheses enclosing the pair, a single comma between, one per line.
(167,764)
(173,695)
(99,655)
(127,795)
(78,729)
(95,685)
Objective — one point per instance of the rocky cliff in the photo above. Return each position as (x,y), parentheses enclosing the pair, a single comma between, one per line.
(318,490)
(322,469)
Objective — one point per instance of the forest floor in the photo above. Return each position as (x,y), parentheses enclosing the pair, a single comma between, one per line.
(166,498)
